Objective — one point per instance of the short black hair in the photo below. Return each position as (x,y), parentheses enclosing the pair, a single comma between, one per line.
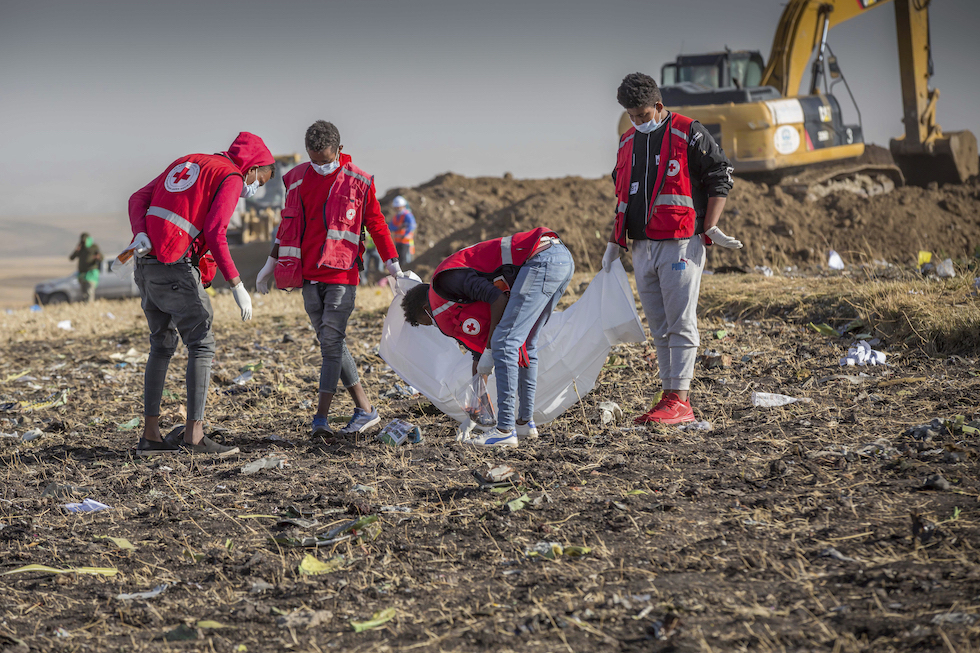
(321,135)
(272,169)
(638,90)
(414,302)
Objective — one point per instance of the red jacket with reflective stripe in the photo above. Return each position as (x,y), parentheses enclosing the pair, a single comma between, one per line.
(672,209)
(341,214)
(180,204)
(468,322)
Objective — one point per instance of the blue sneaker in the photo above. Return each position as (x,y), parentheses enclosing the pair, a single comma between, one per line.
(493,438)
(321,427)
(361,421)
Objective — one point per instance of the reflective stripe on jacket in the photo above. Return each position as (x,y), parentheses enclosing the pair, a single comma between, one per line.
(180,205)
(468,322)
(342,215)
(671,212)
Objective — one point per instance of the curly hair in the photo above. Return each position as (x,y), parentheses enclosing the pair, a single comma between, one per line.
(414,302)
(638,90)
(321,135)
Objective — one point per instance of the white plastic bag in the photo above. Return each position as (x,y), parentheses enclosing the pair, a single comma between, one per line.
(572,349)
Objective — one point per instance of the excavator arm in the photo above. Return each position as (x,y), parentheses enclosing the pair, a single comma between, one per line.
(803,25)
(924,153)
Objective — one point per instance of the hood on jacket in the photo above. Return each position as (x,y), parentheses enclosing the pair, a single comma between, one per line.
(248,151)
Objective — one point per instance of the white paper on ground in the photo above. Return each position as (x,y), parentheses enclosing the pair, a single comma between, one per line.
(772,400)
(572,349)
(834,261)
(88,505)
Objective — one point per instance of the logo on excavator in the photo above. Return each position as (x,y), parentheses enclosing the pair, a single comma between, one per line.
(182,176)
(673,167)
(471,327)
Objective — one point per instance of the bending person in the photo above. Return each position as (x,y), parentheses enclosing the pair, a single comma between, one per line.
(176,219)
(494,297)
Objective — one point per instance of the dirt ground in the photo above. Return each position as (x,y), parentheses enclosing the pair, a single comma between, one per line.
(782,529)
(780,226)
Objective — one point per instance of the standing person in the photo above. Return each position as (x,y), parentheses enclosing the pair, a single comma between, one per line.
(402,227)
(329,203)
(89,259)
(494,298)
(177,218)
(372,260)
(672,181)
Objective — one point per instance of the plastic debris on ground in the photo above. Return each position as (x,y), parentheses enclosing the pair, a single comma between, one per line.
(397,390)
(242,378)
(610,412)
(33,434)
(764,270)
(863,354)
(363,489)
(53,400)
(497,476)
(66,325)
(88,505)
(834,261)
(945,269)
(695,426)
(156,591)
(311,566)
(773,400)
(377,619)
(712,359)
(554,550)
(475,401)
(128,426)
(269,462)
(132,356)
(399,431)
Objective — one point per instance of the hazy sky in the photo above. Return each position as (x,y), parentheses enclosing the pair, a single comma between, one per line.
(97,97)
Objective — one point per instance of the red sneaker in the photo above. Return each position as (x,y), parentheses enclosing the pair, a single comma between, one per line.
(669,410)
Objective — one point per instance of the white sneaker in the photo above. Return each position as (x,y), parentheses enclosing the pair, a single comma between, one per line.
(493,438)
(529,430)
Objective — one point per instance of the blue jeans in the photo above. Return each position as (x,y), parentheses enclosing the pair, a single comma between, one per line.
(539,285)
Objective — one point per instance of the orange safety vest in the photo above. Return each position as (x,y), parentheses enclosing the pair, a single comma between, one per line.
(672,210)
(179,205)
(342,214)
(468,322)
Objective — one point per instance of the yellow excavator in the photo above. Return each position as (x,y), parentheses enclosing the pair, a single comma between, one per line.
(755,112)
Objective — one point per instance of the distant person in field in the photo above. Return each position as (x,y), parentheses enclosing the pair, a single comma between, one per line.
(177,219)
(89,259)
(372,260)
(319,247)
(494,298)
(402,227)
(672,181)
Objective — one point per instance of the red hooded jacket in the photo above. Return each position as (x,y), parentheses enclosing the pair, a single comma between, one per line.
(185,211)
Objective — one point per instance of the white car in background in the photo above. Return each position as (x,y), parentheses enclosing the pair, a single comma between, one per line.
(118,284)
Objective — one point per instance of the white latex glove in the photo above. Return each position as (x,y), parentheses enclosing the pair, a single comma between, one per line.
(143,245)
(265,275)
(720,239)
(485,366)
(394,269)
(610,257)
(243,300)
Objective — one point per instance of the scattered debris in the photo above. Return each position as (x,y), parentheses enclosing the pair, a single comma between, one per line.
(695,426)
(311,566)
(128,426)
(363,489)
(88,505)
(772,400)
(954,619)
(156,591)
(243,378)
(554,550)
(498,476)
(834,261)
(863,354)
(399,431)
(65,324)
(831,552)
(304,618)
(269,462)
(397,391)
(610,413)
(121,542)
(377,620)
(936,482)
(99,571)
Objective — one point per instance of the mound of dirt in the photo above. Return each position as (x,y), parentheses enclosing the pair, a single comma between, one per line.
(778,229)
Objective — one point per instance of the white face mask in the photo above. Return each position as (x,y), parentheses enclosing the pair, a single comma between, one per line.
(326,169)
(649,127)
(249,189)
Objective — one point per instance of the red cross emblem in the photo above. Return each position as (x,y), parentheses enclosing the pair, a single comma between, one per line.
(181,175)
(471,327)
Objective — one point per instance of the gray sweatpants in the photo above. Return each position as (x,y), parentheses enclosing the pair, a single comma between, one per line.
(668,280)
(329,306)
(174,301)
